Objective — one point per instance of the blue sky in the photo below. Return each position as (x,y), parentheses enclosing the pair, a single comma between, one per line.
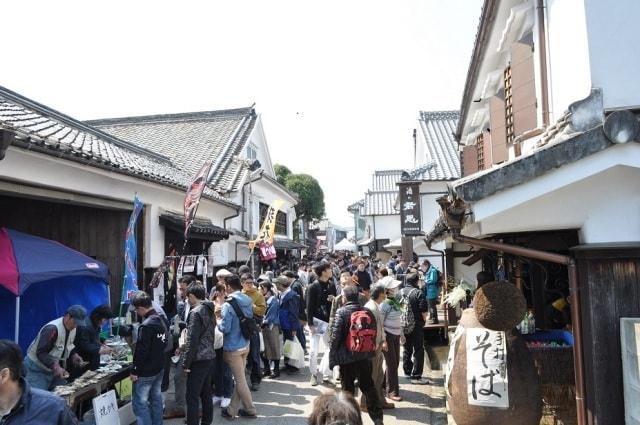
(338,83)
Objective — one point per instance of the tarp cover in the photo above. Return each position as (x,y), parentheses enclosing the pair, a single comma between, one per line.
(48,277)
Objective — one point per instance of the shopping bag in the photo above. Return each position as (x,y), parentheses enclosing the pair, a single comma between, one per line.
(324,365)
(294,352)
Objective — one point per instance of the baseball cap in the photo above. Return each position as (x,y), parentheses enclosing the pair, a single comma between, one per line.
(389,282)
(77,312)
(281,280)
(222,273)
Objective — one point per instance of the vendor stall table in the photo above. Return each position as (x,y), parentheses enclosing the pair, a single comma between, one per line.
(101,383)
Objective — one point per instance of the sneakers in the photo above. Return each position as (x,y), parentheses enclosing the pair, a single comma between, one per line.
(225,402)
(225,414)
(246,414)
(387,405)
(215,399)
(420,381)
(395,397)
(313,380)
(255,386)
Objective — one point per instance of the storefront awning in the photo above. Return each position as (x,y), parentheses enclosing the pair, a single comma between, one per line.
(286,243)
(364,242)
(201,228)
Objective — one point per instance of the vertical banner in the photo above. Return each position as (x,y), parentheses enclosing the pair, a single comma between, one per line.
(192,199)
(268,226)
(130,283)
(487,380)
(410,217)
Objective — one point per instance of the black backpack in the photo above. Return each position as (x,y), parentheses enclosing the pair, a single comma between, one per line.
(248,326)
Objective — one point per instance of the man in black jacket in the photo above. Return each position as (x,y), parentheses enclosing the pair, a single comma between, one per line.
(19,402)
(414,342)
(320,295)
(353,364)
(87,342)
(198,355)
(148,362)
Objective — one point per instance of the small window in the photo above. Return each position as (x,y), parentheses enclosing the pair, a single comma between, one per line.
(480,150)
(252,152)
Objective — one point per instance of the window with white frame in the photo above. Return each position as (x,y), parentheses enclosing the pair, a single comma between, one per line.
(252,152)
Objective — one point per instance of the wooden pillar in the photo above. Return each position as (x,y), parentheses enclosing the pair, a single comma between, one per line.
(407,249)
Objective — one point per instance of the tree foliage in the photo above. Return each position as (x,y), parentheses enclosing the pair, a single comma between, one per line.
(282,173)
(310,195)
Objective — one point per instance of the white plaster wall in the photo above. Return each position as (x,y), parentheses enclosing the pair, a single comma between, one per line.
(48,171)
(568,53)
(612,29)
(259,140)
(466,273)
(604,204)
(387,227)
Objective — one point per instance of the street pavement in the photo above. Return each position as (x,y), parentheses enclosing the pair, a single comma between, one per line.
(289,400)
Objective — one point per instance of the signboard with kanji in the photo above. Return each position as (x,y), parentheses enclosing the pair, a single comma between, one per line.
(487,380)
(410,217)
(105,409)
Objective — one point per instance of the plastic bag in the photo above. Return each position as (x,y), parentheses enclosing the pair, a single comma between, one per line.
(293,351)
(261,342)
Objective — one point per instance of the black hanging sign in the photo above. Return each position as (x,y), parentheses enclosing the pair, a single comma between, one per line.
(410,222)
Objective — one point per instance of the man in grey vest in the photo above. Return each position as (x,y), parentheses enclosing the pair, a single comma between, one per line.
(47,355)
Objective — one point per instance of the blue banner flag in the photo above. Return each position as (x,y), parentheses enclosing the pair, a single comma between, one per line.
(130,283)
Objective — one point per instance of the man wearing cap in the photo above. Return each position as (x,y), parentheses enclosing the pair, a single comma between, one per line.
(296,286)
(47,355)
(288,313)
(87,342)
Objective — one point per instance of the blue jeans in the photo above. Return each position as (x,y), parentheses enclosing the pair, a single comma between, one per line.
(40,378)
(222,377)
(147,399)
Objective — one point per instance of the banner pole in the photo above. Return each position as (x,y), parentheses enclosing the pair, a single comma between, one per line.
(17,326)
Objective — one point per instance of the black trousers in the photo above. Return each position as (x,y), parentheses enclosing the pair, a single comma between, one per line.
(362,371)
(199,390)
(433,309)
(414,347)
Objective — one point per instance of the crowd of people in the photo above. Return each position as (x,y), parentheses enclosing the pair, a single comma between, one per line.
(359,310)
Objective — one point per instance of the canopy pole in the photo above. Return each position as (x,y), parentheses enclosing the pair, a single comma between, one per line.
(17,328)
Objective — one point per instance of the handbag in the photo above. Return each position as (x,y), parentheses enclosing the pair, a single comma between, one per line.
(248,325)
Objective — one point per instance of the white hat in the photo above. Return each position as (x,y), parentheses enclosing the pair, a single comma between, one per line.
(389,282)
(222,273)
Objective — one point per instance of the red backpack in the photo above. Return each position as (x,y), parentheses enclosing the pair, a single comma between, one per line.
(362,332)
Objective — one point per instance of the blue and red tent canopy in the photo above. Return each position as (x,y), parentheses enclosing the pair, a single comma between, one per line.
(39,279)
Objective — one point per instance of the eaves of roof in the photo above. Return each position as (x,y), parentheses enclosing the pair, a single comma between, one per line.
(487,19)
(281,187)
(38,128)
(438,128)
(523,169)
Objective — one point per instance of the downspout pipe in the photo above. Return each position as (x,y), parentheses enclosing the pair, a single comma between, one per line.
(544,75)
(251,180)
(576,317)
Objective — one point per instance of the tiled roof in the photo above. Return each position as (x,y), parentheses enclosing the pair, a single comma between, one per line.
(190,139)
(386,180)
(356,206)
(438,128)
(39,128)
(380,203)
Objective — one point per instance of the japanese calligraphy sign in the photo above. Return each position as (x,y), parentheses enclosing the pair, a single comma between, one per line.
(105,409)
(269,225)
(487,380)
(410,217)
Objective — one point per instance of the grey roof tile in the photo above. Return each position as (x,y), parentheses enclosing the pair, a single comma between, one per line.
(380,203)
(438,128)
(40,128)
(190,139)
(386,180)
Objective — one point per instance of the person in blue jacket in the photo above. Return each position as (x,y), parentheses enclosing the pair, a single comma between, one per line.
(271,331)
(20,404)
(288,313)
(431,289)
(236,347)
